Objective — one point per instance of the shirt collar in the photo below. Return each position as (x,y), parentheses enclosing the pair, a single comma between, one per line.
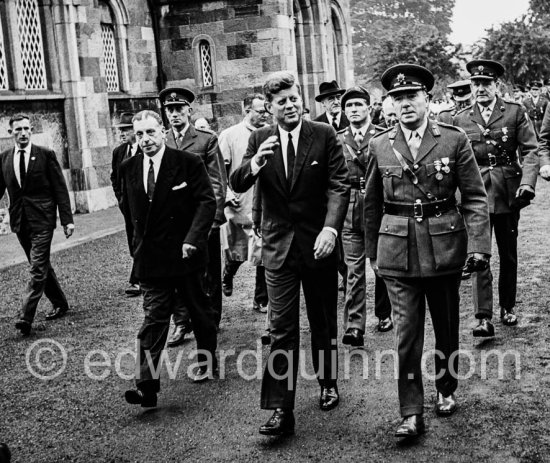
(362,130)
(157,158)
(330,117)
(295,132)
(183,132)
(421,130)
(491,106)
(27,149)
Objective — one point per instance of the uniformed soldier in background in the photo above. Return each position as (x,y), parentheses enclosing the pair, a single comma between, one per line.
(355,140)
(183,136)
(544,146)
(462,95)
(497,130)
(416,237)
(535,105)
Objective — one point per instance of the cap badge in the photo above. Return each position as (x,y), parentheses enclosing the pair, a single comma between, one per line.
(173,96)
(401,78)
(481,68)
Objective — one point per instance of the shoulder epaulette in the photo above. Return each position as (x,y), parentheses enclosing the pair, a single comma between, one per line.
(467,108)
(341,131)
(205,131)
(384,131)
(450,126)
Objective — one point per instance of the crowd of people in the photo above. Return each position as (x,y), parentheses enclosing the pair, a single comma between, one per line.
(415,192)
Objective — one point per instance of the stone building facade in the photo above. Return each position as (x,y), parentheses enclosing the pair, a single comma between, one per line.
(75,65)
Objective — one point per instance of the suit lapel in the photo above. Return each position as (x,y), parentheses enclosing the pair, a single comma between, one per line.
(10,167)
(188,138)
(427,144)
(400,144)
(304,144)
(477,118)
(349,140)
(496,114)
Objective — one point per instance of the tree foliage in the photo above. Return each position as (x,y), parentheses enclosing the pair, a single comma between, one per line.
(522,45)
(386,32)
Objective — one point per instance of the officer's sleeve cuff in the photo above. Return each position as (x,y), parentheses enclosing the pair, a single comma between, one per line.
(332,230)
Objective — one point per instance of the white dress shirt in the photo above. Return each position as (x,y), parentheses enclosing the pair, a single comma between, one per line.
(16,157)
(330,118)
(157,159)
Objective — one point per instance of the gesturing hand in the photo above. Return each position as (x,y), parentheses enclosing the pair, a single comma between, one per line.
(188,250)
(266,150)
(324,244)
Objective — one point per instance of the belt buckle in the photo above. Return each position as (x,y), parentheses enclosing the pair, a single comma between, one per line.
(418,210)
(492,160)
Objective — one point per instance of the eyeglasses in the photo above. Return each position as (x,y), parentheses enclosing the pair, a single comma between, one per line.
(262,112)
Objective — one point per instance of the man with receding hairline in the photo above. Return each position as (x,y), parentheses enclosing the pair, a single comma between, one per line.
(302,182)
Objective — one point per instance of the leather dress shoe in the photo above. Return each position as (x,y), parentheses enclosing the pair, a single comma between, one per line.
(411,426)
(138,397)
(281,423)
(133,290)
(227,284)
(178,335)
(385,324)
(24,326)
(508,317)
(353,337)
(259,307)
(484,329)
(56,312)
(203,374)
(329,398)
(445,406)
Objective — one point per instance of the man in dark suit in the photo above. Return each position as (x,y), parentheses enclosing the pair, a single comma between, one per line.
(37,189)
(498,130)
(302,180)
(329,96)
(204,144)
(418,240)
(128,148)
(168,197)
(355,140)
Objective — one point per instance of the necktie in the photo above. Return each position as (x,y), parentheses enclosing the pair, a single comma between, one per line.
(22,170)
(290,158)
(358,138)
(179,140)
(414,143)
(150,181)
(335,123)
(487,114)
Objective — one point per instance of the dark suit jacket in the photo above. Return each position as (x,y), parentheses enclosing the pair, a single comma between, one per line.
(435,246)
(182,211)
(120,153)
(205,145)
(318,196)
(508,130)
(44,190)
(344,122)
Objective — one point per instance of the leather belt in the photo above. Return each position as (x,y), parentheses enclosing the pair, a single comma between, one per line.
(494,160)
(420,210)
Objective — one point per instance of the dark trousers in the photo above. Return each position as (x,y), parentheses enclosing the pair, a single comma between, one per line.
(408,299)
(355,308)
(506,233)
(320,288)
(260,288)
(159,299)
(43,279)
(212,283)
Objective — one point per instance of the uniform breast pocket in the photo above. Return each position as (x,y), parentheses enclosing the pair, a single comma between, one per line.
(449,241)
(393,243)
(391,175)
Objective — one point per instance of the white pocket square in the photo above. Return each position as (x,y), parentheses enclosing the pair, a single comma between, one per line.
(314,163)
(180,186)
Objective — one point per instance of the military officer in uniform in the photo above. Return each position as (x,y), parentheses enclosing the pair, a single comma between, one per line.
(462,94)
(416,237)
(535,105)
(184,137)
(497,130)
(355,140)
